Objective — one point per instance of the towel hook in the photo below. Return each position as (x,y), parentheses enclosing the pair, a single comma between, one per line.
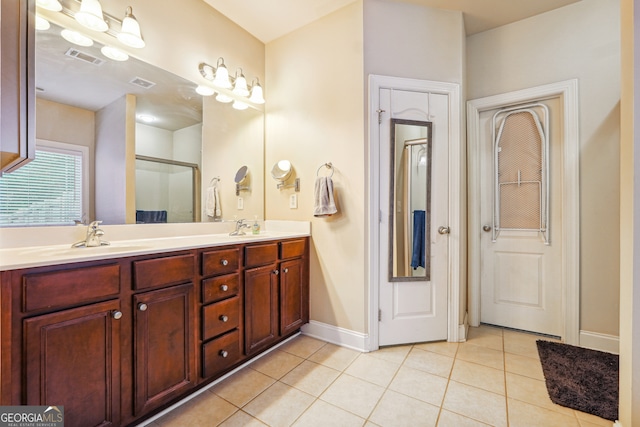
(214,180)
(328,166)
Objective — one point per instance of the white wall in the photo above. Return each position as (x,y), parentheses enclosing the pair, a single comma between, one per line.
(581,41)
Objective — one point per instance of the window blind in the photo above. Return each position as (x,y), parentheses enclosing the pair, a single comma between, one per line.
(46,191)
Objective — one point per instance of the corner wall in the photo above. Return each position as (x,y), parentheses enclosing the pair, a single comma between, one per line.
(581,41)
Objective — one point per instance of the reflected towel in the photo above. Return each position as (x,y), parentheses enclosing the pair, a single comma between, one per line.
(324,204)
(212,205)
(419,258)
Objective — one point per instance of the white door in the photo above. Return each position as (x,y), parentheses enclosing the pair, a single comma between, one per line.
(521,266)
(415,310)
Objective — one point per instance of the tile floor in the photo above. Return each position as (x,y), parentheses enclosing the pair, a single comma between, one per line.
(493,379)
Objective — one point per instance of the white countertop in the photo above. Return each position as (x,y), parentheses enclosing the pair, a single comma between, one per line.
(12,258)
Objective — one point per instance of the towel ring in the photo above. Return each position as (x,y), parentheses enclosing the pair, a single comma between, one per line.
(328,166)
(214,180)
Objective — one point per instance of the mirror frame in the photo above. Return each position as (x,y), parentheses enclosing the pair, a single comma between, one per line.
(392,198)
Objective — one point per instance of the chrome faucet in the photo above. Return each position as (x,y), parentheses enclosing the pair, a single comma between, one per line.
(240,224)
(94,233)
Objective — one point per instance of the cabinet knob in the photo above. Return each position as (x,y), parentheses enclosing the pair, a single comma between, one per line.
(286,270)
(224,288)
(142,306)
(223,353)
(224,262)
(276,272)
(116,314)
(224,318)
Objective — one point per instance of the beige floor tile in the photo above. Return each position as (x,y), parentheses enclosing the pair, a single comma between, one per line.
(311,378)
(333,356)
(279,405)
(591,420)
(449,419)
(589,424)
(242,386)
(532,391)
(481,355)
(242,419)
(485,337)
(420,385)
(479,376)
(353,395)
(475,403)
(395,354)
(440,347)
(372,369)
(523,365)
(276,364)
(496,330)
(302,346)
(206,409)
(522,414)
(398,410)
(429,361)
(521,343)
(322,414)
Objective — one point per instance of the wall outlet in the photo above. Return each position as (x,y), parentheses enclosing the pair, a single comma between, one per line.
(293,201)
(240,203)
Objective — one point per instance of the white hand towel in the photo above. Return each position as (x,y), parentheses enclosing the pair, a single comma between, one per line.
(212,204)
(216,197)
(324,204)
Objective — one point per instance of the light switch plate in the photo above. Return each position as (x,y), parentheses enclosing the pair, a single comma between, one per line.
(293,201)
(240,203)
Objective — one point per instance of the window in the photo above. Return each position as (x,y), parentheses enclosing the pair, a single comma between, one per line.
(50,190)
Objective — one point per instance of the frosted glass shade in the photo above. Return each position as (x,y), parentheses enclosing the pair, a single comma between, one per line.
(130,32)
(90,15)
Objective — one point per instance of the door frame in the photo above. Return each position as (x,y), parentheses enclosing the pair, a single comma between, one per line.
(457,237)
(570,284)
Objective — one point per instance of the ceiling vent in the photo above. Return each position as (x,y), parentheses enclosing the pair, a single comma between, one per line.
(83,56)
(145,84)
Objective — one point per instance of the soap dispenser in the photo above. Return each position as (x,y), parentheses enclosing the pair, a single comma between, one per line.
(255,229)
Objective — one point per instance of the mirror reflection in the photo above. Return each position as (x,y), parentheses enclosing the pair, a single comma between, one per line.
(410,200)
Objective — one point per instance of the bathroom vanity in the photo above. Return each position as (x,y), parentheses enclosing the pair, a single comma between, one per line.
(118,338)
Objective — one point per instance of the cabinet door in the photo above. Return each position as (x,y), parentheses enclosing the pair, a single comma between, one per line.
(294,305)
(17,84)
(73,360)
(163,346)
(261,307)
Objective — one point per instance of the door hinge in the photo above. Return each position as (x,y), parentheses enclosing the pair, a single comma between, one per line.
(379,315)
(379,111)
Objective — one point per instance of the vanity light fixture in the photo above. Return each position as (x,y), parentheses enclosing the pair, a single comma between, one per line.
(90,15)
(130,32)
(218,75)
(76,38)
(257,96)
(53,5)
(114,53)
(240,85)
(42,24)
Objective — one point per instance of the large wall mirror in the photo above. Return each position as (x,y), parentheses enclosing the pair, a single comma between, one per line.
(410,201)
(153,144)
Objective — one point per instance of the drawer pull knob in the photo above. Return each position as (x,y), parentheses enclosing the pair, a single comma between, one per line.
(116,314)
(223,353)
(224,288)
(224,262)
(142,306)
(276,272)
(286,270)
(224,318)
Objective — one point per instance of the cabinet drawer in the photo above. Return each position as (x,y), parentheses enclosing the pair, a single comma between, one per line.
(220,262)
(220,287)
(220,317)
(159,272)
(220,353)
(292,249)
(260,254)
(70,287)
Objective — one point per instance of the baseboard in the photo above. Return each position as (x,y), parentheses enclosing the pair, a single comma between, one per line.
(602,342)
(463,329)
(336,335)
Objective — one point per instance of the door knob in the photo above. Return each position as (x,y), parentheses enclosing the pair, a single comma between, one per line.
(443,230)
(486,227)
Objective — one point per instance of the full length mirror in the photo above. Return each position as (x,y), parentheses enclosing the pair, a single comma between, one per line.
(410,201)
(115,112)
